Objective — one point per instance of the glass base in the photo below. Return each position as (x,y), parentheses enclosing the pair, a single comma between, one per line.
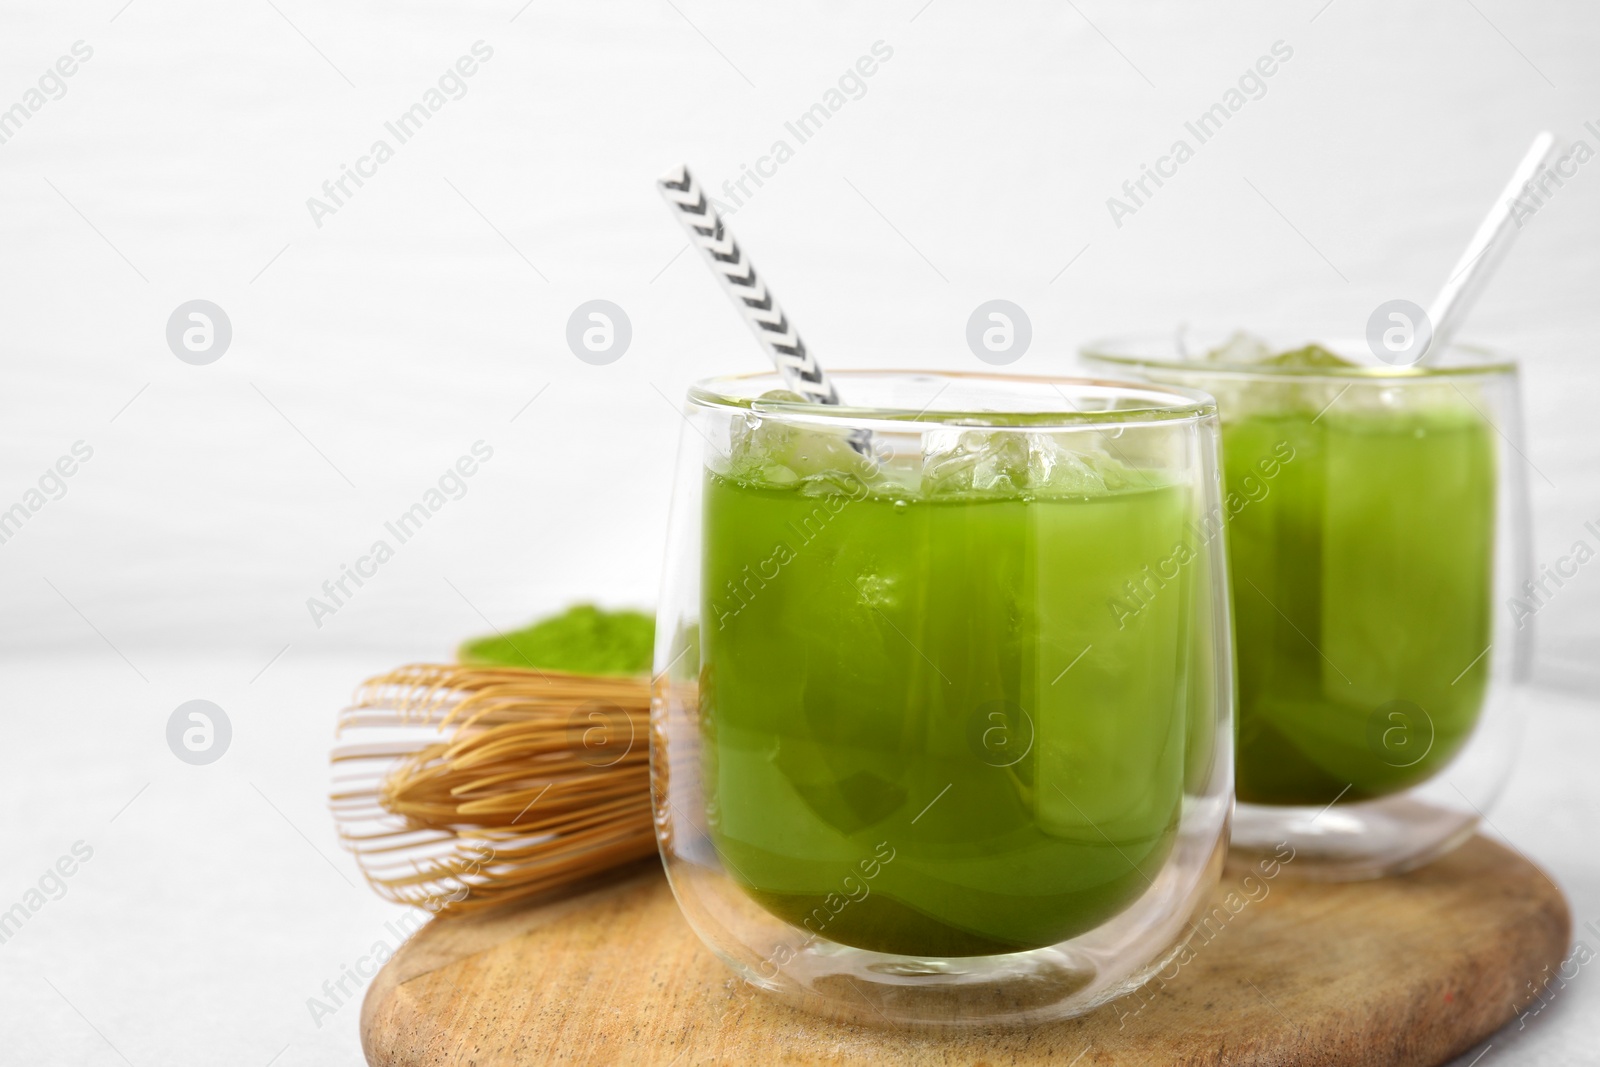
(866,987)
(1352,842)
(873,988)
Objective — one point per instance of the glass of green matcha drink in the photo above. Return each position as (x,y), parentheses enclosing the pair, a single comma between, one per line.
(912,760)
(1375,520)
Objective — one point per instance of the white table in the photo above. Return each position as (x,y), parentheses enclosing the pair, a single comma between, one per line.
(217,901)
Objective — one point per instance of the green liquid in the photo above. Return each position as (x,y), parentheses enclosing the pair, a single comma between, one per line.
(886,675)
(1362,586)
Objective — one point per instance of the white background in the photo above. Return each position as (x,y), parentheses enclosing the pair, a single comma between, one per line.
(372,351)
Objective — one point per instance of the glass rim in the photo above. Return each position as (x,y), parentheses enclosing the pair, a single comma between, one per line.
(1167,404)
(1121,351)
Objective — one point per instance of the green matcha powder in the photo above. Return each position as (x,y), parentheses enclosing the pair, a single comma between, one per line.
(582,640)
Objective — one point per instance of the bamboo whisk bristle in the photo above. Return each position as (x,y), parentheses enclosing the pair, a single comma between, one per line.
(474,786)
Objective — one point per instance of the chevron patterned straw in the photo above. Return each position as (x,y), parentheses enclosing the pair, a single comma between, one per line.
(748,292)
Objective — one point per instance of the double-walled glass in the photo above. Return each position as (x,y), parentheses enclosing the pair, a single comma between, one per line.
(942,726)
(1377,532)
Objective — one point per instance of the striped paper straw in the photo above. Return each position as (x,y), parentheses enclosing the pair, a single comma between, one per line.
(749,293)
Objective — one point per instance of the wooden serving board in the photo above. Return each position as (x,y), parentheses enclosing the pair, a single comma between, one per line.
(1411,970)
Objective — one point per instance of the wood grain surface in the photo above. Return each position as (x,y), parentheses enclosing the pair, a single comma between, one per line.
(1410,970)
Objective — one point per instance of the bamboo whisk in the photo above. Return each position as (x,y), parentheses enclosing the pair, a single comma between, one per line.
(473,786)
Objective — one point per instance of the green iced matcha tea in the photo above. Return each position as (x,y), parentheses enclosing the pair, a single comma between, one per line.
(896,754)
(1362,582)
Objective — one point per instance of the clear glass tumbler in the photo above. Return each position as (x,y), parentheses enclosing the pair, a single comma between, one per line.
(915,757)
(1376,523)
